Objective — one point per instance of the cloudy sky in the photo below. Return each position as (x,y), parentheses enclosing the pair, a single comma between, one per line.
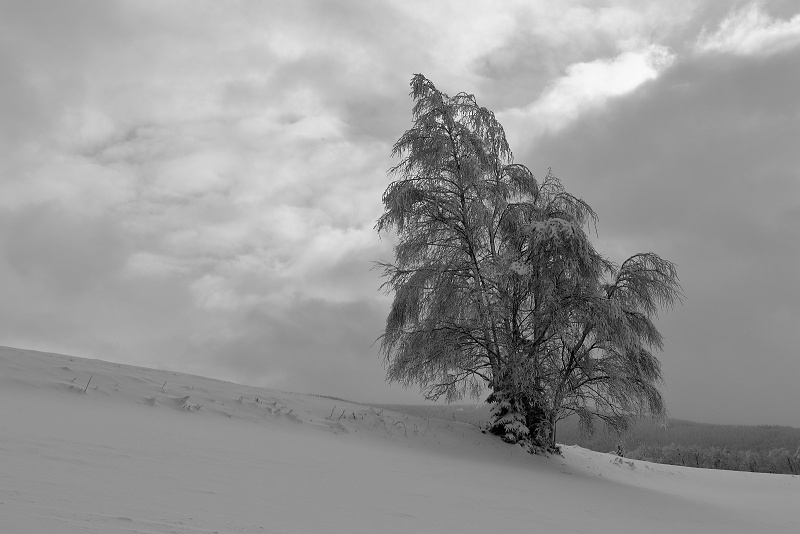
(193,185)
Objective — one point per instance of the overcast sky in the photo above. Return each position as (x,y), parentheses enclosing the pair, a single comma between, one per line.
(193,185)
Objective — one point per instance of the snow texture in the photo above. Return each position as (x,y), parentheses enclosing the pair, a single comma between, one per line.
(96,447)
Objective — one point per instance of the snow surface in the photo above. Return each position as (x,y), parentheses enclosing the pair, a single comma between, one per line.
(130,453)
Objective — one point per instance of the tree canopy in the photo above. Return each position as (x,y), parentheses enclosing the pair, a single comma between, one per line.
(496,283)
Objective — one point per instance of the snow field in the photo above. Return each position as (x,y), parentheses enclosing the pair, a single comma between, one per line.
(147,451)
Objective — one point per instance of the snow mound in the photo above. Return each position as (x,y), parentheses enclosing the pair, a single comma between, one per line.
(92,446)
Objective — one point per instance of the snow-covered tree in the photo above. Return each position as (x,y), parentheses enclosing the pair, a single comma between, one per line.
(496,283)
(794,462)
(602,366)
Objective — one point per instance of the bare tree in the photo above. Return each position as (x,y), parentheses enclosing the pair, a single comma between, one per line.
(497,284)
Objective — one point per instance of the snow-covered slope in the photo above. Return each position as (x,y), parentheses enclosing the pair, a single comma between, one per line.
(147,451)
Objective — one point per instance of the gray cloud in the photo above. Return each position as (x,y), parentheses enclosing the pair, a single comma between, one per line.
(68,255)
(310,345)
(701,166)
(193,185)
(43,50)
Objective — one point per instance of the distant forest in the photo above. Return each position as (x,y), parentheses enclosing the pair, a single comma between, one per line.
(761,449)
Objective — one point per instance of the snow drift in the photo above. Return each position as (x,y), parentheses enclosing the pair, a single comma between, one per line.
(92,446)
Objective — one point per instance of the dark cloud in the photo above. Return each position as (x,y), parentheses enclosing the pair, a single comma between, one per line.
(192,185)
(519,71)
(701,166)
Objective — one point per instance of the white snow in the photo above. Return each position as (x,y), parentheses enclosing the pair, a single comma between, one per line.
(202,456)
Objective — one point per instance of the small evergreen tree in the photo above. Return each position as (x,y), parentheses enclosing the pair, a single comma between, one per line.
(496,283)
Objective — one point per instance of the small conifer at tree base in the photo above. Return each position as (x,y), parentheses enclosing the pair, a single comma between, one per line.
(496,284)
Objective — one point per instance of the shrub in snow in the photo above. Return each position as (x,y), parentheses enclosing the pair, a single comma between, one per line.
(507,420)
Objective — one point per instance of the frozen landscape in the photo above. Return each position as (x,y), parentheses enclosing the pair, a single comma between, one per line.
(585,208)
(98,447)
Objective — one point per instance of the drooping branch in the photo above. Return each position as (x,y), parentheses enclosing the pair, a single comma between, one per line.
(496,282)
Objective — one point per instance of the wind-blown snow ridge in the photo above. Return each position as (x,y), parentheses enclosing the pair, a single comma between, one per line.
(93,446)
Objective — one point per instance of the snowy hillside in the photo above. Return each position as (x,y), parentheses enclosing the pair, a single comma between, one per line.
(92,446)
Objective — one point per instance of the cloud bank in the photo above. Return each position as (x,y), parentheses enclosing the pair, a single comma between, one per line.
(751,31)
(193,185)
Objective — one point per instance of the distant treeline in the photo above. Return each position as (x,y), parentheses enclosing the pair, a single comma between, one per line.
(762,449)
(761,439)
(773,461)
